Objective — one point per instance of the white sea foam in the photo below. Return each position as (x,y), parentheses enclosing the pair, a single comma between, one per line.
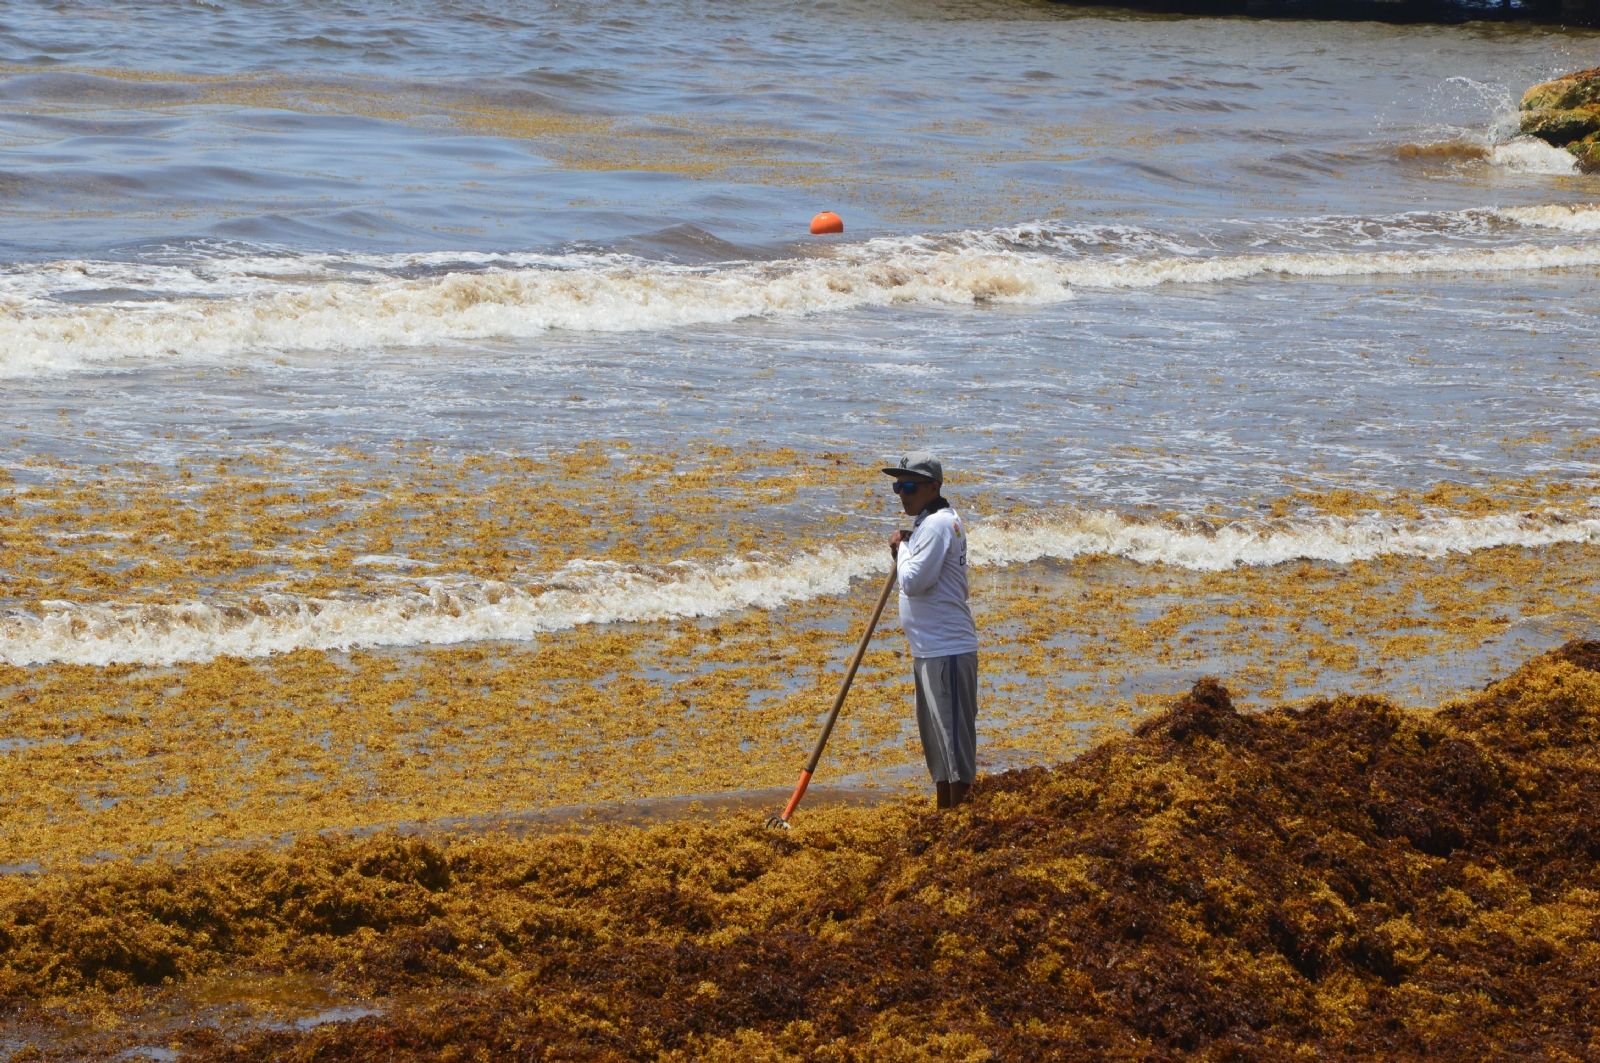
(1573,218)
(1205,547)
(40,334)
(507,303)
(1150,274)
(442,612)
(446,611)
(1532,155)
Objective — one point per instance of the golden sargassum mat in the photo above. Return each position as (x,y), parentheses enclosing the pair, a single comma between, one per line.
(130,759)
(272,520)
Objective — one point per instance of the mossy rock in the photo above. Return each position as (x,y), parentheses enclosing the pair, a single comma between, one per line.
(1561,127)
(1587,151)
(1565,112)
(1565,93)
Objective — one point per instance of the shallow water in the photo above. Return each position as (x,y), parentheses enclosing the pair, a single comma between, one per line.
(523,226)
(1154,287)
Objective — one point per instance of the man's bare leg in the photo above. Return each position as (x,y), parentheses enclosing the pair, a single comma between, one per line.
(958,792)
(942,789)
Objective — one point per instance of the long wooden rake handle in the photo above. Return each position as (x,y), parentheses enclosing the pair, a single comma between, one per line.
(838,702)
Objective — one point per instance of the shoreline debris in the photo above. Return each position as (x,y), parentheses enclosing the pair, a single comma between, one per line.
(1343,879)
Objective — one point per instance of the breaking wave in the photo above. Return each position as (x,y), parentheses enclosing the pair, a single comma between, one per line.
(444,611)
(502,303)
(74,314)
(1575,218)
(1532,155)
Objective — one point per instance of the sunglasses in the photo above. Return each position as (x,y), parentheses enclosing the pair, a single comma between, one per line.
(906,487)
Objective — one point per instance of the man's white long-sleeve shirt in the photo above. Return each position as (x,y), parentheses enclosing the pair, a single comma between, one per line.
(933,586)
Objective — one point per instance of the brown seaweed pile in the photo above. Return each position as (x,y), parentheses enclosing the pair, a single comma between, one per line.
(1343,880)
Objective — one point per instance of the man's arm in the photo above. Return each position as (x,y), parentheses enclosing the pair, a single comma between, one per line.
(919,563)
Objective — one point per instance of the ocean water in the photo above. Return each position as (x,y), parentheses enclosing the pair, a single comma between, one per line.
(1138,279)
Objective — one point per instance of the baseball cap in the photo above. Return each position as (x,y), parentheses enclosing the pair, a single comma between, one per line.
(919,463)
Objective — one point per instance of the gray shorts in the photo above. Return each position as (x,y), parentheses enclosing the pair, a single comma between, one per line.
(947,715)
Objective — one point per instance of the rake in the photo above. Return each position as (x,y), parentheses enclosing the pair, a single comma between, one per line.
(782,822)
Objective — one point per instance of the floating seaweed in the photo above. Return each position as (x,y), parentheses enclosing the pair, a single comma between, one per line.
(167,755)
(1344,879)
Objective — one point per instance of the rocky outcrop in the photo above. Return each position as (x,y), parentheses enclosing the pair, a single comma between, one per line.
(1566,112)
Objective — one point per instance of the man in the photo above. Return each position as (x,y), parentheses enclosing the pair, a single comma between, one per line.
(931,560)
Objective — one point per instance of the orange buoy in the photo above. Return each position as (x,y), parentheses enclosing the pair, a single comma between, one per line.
(826,222)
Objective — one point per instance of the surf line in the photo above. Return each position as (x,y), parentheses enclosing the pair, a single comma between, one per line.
(39,336)
(444,610)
